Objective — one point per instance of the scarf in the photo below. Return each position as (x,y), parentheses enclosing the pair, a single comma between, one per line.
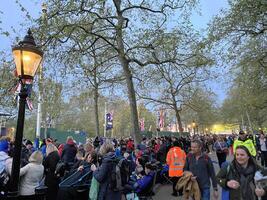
(246,181)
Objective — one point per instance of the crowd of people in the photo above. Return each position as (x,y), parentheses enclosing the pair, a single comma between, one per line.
(183,161)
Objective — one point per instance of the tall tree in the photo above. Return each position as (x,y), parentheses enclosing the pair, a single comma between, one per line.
(240,32)
(114,22)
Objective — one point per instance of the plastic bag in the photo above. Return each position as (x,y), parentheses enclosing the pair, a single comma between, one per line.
(132,196)
(94,188)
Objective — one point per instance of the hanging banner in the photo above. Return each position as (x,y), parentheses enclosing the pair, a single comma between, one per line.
(109,120)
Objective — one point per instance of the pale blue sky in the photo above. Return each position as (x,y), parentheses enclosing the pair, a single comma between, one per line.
(12,16)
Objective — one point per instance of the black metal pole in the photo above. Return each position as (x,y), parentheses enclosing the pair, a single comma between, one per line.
(13,192)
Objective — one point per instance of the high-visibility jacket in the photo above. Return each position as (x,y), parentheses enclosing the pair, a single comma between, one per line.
(248,143)
(176,160)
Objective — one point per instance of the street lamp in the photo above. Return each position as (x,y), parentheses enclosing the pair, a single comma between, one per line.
(27,59)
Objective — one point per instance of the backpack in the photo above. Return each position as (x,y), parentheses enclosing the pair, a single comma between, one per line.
(4,176)
(120,174)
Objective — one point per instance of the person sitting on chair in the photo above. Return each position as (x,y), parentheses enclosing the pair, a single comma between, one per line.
(143,185)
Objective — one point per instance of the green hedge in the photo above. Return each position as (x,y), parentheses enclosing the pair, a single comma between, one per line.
(150,134)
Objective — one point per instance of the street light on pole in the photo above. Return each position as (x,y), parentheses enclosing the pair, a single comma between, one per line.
(27,59)
(39,105)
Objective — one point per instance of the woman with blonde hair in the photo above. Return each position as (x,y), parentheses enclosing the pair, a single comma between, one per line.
(31,174)
(50,163)
(51,148)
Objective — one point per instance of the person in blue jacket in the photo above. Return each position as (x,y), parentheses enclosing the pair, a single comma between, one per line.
(142,185)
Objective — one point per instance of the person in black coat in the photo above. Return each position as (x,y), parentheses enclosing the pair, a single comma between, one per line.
(69,152)
(102,174)
(50,163)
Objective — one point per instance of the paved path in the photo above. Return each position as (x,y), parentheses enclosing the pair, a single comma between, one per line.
(163,192)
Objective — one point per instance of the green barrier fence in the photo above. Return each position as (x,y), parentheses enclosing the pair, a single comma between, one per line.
(61,136)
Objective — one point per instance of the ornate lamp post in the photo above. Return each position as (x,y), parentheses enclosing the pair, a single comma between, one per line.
(27,59)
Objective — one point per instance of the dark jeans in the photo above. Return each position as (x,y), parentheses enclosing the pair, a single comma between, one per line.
(221,157)
(264,158)
(205,194)
(174,182)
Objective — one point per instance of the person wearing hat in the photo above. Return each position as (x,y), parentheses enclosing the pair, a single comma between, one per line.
(243,140)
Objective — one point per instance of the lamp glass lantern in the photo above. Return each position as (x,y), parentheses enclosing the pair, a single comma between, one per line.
(27,57)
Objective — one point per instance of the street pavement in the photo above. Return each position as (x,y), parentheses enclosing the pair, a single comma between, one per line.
(163,192)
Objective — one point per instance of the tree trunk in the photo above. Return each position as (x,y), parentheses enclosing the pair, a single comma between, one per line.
(96,111)
(127,73)
(178,118)
(177,114)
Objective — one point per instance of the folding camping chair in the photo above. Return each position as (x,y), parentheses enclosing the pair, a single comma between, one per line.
(164,174)
(77,184)
(151,192)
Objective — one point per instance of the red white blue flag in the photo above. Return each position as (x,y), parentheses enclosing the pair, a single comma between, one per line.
(142,124)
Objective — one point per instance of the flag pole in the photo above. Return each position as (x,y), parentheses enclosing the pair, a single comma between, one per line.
(105,127)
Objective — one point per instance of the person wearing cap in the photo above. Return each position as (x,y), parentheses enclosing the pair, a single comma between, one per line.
(243,140)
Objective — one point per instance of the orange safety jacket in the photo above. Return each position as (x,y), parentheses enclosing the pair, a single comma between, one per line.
(176,160)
